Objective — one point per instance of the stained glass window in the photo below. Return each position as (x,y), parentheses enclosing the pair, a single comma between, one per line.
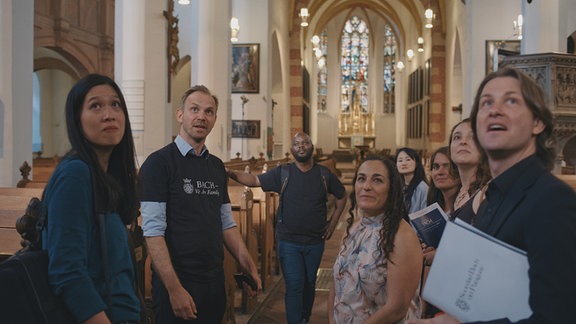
(320,54)
(389,70)
(354,65)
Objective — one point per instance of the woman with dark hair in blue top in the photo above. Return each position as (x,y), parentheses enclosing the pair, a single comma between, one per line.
(415,187)
(98,173)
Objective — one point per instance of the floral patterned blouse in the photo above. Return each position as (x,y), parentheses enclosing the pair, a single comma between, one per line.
(360,276)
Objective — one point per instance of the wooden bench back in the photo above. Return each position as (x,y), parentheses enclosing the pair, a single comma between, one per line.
(242,201)
(38,175)
(255,165)
(13,203)
(570,179)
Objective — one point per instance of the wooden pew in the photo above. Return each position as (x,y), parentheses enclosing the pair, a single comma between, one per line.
(266,232)
(242,210)
(24,192)
(42,168)
(230,287)
(254,164)
(264,215)
(242,202)
(570,179)
(35,184)
(330,163)
(48,161)
(13,203)
(41,175)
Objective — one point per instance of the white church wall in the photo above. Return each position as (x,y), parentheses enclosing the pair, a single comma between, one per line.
(485,20)
(254,26)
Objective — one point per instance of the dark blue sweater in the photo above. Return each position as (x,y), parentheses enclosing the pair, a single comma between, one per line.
(72,240)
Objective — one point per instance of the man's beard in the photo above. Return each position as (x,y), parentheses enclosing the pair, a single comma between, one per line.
(303,158)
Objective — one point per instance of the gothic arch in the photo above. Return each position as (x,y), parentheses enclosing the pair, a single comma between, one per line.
(77,34)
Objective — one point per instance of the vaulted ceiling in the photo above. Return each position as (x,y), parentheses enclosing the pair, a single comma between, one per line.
(403,16)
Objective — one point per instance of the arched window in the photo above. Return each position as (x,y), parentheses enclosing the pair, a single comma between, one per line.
(36,121)
(354,65)
(320,54)
(389,70)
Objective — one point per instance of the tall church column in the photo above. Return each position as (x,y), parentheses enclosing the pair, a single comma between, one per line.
(141,71)
(211,61)
(542,21)
(438,89)
(16,72)
(296,104)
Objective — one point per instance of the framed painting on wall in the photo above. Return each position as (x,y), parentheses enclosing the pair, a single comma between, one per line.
(245,68)
(246,128)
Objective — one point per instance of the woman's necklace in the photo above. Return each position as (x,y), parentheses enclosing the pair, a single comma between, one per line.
(461,199)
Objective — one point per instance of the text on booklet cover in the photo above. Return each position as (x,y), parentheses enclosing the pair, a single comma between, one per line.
(475,277)
(429,223)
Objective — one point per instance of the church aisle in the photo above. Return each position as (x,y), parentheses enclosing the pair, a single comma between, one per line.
(273,310)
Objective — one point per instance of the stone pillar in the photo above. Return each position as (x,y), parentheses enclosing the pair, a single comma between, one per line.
(16,72)
(141,40)
(296,91)
(296,109)
(129,67)
(212,61)
(438,88)
(541,27)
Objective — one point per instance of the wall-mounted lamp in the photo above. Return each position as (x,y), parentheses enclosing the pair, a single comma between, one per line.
(420,44)
(429,16)
(184,2)
(518,26)
(322,62)
(318,53)
(234,29)
(304,17)
(410,54)
(400,66)
(315,41)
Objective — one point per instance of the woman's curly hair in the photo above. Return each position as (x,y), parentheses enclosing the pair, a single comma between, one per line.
(394,209)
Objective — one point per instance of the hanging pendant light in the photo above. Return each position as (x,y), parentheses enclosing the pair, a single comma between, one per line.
(234,29)
(429,16)
(304,17)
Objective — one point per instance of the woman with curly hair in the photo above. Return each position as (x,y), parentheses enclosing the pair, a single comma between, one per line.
(377,271)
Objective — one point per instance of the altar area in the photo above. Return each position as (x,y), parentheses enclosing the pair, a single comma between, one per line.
(356,126)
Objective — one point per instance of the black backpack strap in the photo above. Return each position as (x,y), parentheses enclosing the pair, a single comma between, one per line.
(325,173)
(284,176)
(40,223)
(101,218)
(104,252)
(135,229)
